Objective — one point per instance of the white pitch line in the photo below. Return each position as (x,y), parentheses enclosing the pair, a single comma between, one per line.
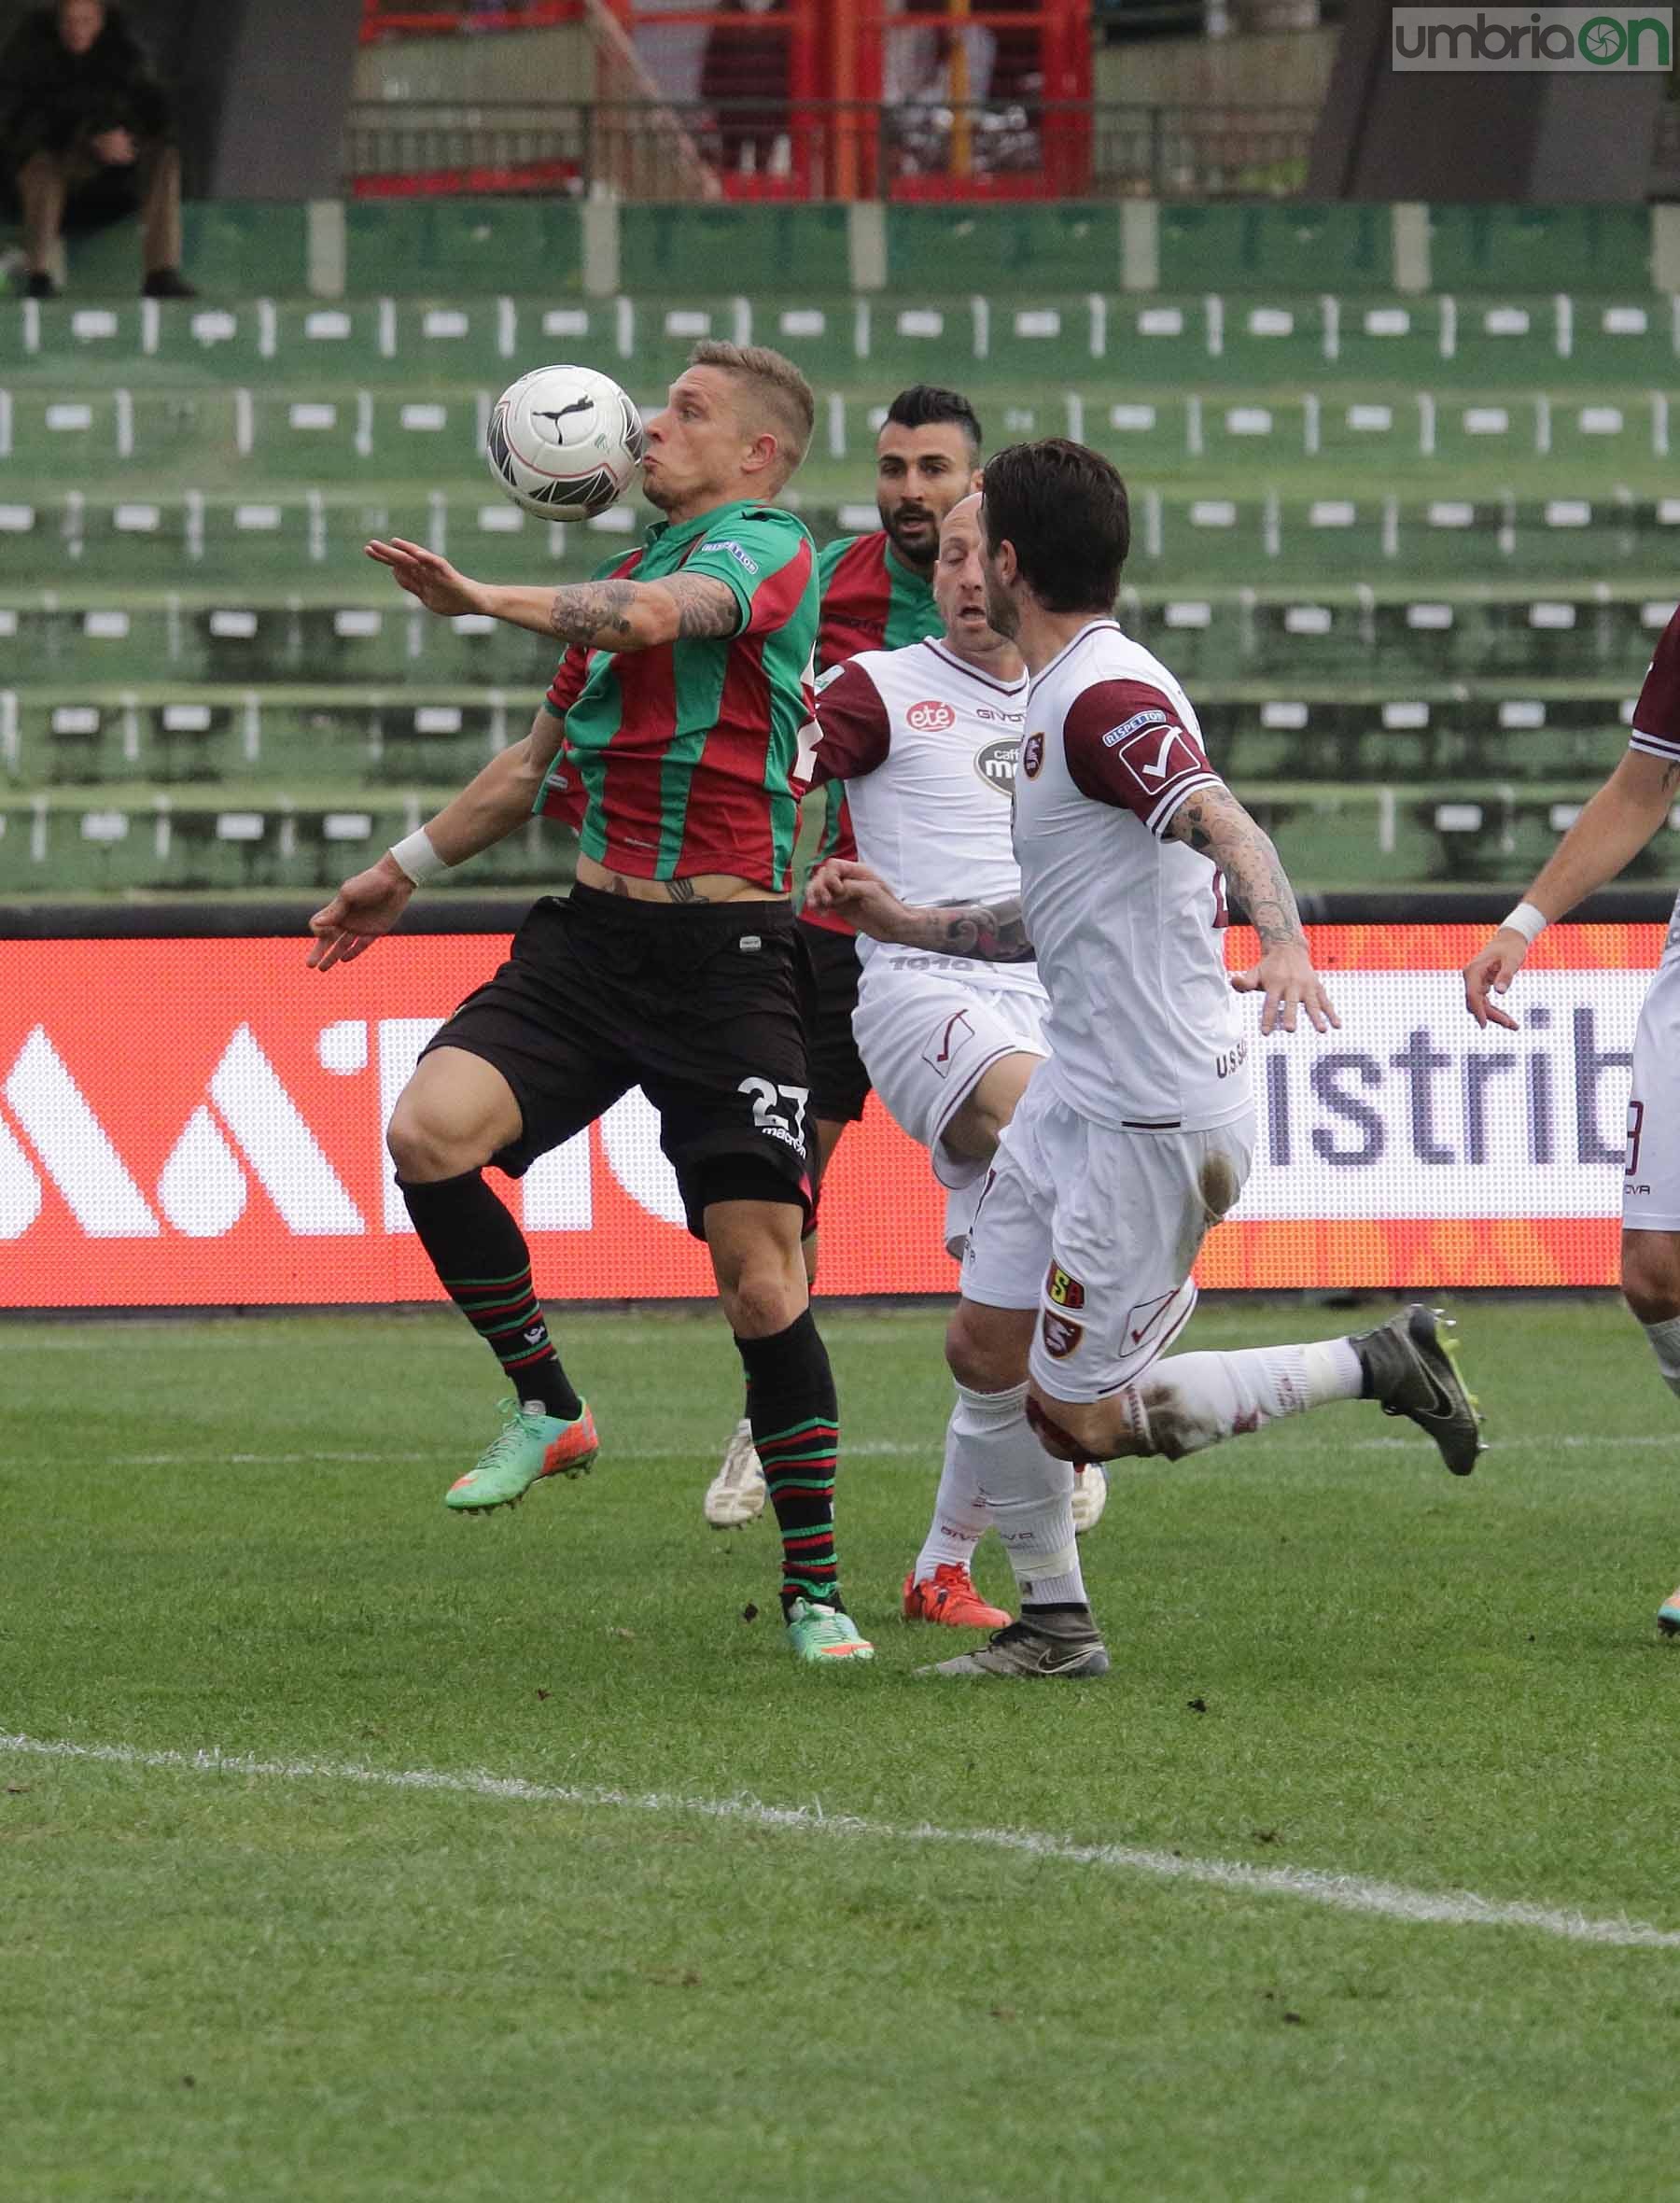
(1346,1893)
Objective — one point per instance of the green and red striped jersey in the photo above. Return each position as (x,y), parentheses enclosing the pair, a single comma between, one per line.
(681,760)
(872,601)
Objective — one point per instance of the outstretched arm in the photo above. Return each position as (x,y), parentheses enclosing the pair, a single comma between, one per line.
(1212,821)
(1613,827)
(601,615)
(487,809)
(994,932)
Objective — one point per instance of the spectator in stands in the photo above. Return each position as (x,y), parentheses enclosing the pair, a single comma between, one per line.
(83,121)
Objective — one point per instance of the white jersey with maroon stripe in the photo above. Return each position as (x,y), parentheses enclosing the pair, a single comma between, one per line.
(1142,1028)
(1656,730)
(927,746)
(1651,1180)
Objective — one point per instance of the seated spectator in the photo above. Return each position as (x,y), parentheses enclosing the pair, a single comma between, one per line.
(82,118)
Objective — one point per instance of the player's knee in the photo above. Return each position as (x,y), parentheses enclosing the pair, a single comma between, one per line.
(983,1353)
(426,1147)
(1650,1275)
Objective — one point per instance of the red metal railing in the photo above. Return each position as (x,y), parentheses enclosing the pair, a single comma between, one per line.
(398,19)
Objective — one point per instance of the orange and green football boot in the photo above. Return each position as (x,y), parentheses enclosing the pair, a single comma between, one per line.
(528,1448)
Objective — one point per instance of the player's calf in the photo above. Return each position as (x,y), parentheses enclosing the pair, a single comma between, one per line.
(1186,1402)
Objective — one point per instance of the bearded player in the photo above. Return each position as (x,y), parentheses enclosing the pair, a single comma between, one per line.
(877,593)
(1631,805)
(673,964)
(925,739)
(1135,1136)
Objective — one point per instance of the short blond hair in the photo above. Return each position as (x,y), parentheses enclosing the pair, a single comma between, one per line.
(777,391)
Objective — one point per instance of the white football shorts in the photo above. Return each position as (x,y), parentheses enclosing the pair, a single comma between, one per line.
(927,1038)
(1651,1181)
(1098,1230)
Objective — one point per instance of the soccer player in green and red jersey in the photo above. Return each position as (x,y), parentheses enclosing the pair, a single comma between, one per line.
(673,964)
(877,593)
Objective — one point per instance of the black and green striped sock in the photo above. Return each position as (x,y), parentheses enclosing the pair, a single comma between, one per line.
(484,1265)
(796,1429)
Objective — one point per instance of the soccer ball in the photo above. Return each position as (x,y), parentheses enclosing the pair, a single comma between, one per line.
(564,442)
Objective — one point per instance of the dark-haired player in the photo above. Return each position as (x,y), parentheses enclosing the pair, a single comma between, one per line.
(1612,829)
(1135,1136)
(877,593)
(673,964)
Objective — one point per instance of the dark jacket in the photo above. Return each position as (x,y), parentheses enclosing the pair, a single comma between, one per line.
(50,97)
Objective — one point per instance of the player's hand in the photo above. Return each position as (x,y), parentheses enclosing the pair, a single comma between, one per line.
(1285,976)
(1490,973)
(429,575)
(845,889)
(364,908)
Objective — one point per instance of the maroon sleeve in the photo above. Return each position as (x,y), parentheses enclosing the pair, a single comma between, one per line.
(853,732)
(568,684)
(1656,714)
(1126,744)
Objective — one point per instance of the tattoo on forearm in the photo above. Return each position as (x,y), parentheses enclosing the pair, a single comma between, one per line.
(1214,822)
(1671,778)
(994,932)
(706,607)
(584,610)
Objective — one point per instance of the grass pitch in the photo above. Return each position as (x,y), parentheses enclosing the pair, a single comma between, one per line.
(1329,1657)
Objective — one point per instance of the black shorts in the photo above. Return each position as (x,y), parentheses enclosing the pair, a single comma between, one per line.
(702,1005)
(839,1082)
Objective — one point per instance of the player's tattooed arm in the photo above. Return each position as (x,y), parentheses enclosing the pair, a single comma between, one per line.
(993,932)
(619,615)
(1213,821)
(594,613)
(706,607)
(641,615)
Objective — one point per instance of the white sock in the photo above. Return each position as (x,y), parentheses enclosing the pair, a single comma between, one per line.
(960,1515)
(1027,1496)
(1665,1344)
(1191,1400)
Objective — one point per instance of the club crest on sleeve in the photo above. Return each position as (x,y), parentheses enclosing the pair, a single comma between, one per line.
(1061,1336)
(1032,755)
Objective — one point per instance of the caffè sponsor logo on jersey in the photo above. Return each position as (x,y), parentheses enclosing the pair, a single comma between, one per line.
(995,763)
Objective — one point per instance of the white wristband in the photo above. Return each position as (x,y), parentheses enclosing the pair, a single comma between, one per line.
(1528,921)
(417,858)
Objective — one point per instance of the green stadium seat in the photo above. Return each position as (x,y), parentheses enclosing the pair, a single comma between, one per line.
(1292,246)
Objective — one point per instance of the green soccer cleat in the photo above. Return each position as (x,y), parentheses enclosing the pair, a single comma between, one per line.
(1668,1614)
(820,1634)
(1412,1369)
(526,1448)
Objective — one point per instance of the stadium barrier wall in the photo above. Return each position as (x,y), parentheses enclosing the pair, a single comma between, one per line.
(197,1122)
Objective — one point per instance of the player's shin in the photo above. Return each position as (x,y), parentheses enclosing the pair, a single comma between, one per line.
(791,1403)
(484,1265)
(960,1515)
(1188,1401)
(1665,1344)
(1029,1496)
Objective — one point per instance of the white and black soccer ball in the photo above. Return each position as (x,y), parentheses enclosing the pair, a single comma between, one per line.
(564,443)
